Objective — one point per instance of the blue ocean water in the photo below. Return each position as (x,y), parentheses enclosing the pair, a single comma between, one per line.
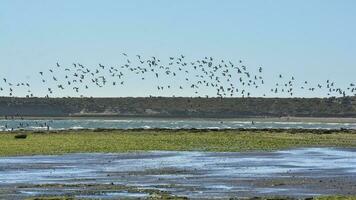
(65,124)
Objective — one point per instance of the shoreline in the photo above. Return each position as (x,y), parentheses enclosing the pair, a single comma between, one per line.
(192,130)
(247,119)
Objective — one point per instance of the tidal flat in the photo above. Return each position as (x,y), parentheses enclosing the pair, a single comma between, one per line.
(299,173)
(178,164)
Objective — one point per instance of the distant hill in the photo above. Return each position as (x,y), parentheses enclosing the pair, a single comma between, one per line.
(179,107)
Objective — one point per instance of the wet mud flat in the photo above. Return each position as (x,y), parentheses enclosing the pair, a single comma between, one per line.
(296,173)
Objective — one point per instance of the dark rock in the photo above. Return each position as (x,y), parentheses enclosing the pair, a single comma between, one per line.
(20,136)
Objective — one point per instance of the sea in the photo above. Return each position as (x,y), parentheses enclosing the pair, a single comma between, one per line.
(160,123)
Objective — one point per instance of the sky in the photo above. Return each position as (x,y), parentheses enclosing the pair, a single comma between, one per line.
(312,40)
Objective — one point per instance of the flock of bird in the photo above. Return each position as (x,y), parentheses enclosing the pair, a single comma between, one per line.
(199,77)
(224,78)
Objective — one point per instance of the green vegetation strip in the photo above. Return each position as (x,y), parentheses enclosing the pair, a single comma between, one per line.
(182,140)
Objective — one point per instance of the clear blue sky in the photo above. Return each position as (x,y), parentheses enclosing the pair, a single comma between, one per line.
(312,40)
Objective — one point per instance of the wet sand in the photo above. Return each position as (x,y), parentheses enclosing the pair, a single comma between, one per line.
(296,173)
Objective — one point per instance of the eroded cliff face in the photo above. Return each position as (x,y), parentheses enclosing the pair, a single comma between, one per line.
(179,107)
